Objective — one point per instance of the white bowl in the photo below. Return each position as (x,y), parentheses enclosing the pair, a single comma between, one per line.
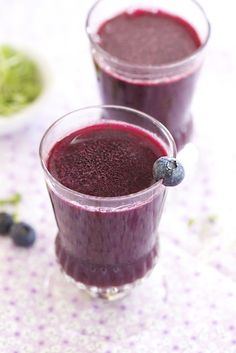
(11,123)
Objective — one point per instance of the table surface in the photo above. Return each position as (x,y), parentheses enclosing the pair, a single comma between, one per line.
(189,302)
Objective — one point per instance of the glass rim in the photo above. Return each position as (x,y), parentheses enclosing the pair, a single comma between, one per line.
(103,199)
(163,67)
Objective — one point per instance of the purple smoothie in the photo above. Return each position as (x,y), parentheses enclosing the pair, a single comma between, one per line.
(107,247)
(150,39)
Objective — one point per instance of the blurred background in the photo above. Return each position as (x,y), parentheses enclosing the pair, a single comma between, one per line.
(55,31)
(199,219)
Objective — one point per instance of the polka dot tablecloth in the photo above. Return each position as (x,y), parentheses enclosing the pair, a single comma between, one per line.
(188,304)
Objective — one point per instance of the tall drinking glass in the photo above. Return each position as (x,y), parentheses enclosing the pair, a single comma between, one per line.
(106,244)
(165,90)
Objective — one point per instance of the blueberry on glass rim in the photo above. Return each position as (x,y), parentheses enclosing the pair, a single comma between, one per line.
(6,221)
(169,169)
(22,234)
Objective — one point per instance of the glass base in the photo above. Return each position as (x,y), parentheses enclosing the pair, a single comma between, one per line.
(107,293)
(61,286)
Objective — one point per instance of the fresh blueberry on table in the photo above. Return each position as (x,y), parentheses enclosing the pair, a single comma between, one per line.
(22,234)
(169,169)
(6,221)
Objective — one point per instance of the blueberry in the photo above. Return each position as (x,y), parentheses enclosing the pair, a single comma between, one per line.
(169,170)
(6,222)
(22,234)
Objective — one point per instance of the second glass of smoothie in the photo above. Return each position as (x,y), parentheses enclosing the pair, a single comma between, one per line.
(148,55)
(98,164)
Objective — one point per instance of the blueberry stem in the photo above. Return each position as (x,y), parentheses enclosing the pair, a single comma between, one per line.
(171,165)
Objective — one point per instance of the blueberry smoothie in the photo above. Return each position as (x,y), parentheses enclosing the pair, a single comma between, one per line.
(106,247)
(137,40)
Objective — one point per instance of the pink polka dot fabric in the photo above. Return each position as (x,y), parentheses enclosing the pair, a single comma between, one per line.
(187,305)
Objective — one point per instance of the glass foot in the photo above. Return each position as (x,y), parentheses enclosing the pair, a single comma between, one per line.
(60,285)
(110,293)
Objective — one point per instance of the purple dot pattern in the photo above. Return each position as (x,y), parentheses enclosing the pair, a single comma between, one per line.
(40,311)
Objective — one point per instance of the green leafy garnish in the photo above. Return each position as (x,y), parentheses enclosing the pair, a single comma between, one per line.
(20,80)
(14,200)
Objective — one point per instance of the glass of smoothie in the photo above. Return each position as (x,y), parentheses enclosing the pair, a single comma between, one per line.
(148,55)
(107,205)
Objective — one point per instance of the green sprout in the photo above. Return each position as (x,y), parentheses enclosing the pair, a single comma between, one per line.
(14,200)
(191,222)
